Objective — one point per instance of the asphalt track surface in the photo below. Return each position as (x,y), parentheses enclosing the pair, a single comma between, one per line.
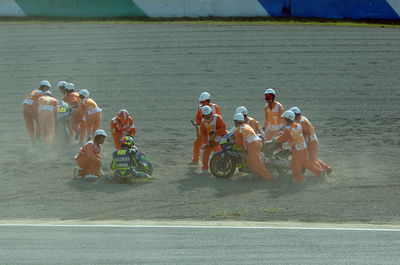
(33,244)
(345,79)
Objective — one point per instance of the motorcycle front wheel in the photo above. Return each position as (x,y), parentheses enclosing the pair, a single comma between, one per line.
(222,167)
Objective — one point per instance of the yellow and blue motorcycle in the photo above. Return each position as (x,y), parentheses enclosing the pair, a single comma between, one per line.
(224,163)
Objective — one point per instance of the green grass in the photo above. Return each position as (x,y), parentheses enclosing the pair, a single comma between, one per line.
(272,210)
(232,214)
(226,214)
(268,21)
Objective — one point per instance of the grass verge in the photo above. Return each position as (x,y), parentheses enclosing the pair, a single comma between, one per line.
(272,211)
(209,21)
(226,214)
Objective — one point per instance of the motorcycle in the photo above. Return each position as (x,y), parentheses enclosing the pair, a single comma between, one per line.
(63,121)
(224,163)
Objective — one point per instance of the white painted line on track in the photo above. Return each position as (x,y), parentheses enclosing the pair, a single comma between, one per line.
(202,227)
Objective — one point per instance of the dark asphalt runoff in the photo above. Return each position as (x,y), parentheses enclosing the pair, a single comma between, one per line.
(196,245)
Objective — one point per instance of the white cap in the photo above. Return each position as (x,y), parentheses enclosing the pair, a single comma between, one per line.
(100,132)
(204,96)
(241,109)
(48,93)
(45,83)
(206,110)
(238,117)
(84,93)
(288,115)
(69,86)
(61,83)
(295,110)
(270,91)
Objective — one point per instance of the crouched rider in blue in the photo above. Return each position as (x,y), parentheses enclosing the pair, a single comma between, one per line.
(126,165)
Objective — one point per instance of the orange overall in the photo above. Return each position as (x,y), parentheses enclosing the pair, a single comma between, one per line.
(30,114)
(72,99)
(92,116)
(198,118)
(47,113)
(312,143)
(273,121)
(120,129)
(253,124)
(211,132)
(293,133)
(246,137)
(88,159)
(77,114)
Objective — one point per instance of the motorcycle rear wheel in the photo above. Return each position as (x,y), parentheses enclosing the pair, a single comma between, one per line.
(62,132)
(222,167)
(150,169)
(287,155)
(284,155)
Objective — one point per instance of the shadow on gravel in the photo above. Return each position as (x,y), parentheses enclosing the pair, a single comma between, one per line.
(103,186)
(224,187)
(286,186)
(195,180)
(243,183)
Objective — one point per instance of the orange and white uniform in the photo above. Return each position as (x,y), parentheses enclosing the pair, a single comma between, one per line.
(29,111)
(47,113)
(92,116)
(293,134)
(77,114)
(72,99)
(253,123)
(312,143)
(246,137)
(211,133)
(273,121)
(88,159)
(80,121)
(198,117)
(120,129)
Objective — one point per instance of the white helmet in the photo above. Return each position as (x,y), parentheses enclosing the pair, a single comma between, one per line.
(70,86)
(100,132)
(270,91)
(48,93)
(45,83)
(204,96)
(241,109)
(238,117)
(206,110)
(84,93)
(61,83)
(289,115)
(295,110)
(123,115)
